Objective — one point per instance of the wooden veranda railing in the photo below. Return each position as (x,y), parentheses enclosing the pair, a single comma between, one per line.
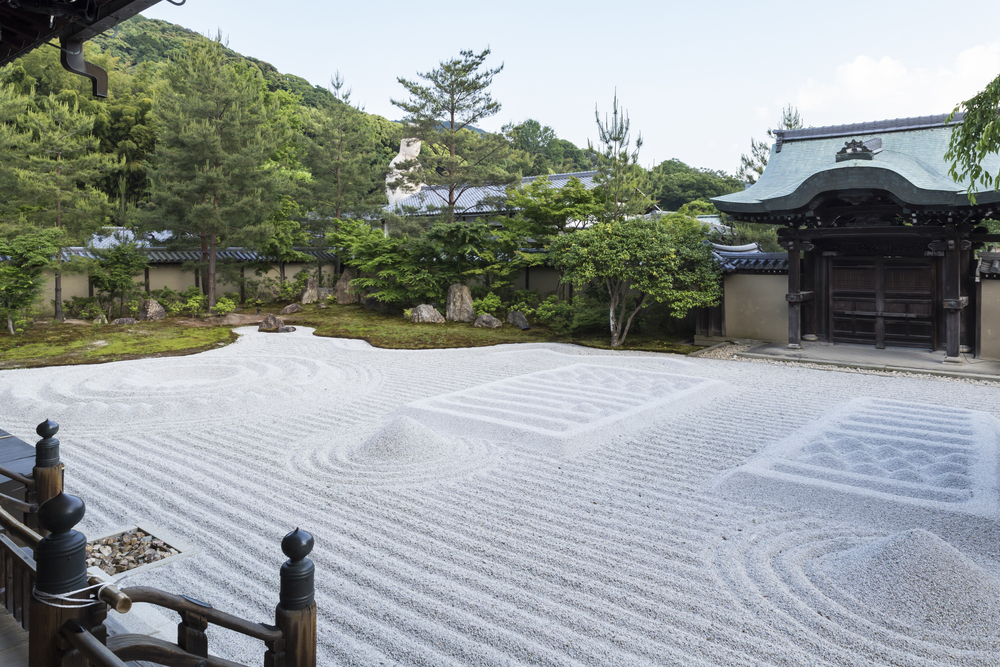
(47,589)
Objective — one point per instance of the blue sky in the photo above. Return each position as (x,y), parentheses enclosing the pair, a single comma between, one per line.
(697,78)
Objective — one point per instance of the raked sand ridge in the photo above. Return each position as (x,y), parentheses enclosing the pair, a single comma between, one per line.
(547,504)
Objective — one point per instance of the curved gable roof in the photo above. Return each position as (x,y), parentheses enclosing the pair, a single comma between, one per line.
(910,165)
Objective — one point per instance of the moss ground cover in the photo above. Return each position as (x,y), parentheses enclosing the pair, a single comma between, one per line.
(67,344)
(393,331)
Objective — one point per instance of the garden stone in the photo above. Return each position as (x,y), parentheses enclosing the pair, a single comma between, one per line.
(323,293)
(286,329)
(488,321)
(126,320)
(345,290)
(517,318)
(271,323)
(100,319)
(151,310)
(290,308)
(309,294)
(321,305)
(459,306)
(426,313)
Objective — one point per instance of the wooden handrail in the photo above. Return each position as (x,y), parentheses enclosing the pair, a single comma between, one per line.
(19,505)
(110,595)
(142,647)
(90,646)
(222,619)
(18,529)
(29,483)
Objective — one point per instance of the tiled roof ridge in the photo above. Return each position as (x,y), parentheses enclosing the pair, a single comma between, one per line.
(870,127)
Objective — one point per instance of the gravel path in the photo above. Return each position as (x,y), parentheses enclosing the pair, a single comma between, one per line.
(535,504)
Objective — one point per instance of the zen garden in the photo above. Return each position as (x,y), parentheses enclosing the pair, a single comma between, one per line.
(284,382)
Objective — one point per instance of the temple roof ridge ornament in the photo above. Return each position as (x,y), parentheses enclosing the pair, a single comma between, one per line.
(859,150)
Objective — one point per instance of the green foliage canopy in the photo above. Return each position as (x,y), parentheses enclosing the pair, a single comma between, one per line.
(662,260)
(21,273)
(975,138)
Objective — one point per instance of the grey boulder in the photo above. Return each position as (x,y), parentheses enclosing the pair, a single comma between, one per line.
(345,290)
(311,293)
(426,313)
(151,310)
(517,318)
(285,329)
(459,305)
(291,308)
(487,321)
(271,323)
(126,320)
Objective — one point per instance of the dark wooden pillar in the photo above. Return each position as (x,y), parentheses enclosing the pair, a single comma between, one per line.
(61,569)
(48,470)
(953,302)
(147,280)
(296,612)
(808,279)
(794,287)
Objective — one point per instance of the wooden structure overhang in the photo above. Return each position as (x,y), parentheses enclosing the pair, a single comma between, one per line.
(885,239)
(28,24)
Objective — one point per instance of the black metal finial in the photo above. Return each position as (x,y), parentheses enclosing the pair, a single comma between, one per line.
(47,449)
(60,513)
(298,573)
(61,556)
(47,429)
(297,544)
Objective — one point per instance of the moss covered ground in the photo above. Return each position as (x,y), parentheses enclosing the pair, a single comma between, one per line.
(395,332)
(51,344)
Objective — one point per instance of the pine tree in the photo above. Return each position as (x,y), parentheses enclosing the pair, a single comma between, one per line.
(338,154)
(454,156)
(13,148)
(752,166)
(622,183)
(57,180)
(215,176)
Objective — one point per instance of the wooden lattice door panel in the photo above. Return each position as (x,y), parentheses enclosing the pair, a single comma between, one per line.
(853,301)
(883,302)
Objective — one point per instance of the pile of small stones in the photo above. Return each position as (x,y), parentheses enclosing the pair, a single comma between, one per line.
(126,551)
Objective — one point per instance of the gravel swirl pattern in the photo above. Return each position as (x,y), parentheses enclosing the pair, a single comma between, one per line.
(477,548)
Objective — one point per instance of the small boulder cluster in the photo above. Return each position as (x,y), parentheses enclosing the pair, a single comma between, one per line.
(274,324)
(127,551)
(459,309)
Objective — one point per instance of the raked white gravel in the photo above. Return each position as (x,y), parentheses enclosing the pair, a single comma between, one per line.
(549,504)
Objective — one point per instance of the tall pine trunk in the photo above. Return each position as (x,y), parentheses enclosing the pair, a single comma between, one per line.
(58,274)
(211,272)
(203,269)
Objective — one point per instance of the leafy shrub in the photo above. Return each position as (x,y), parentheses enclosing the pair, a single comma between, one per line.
(194,301)
(224,306)
(488,305)
(524,300)
(569,317)
(82,308)
(290,290)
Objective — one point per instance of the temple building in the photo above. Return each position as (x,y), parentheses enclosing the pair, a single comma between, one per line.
(881,243)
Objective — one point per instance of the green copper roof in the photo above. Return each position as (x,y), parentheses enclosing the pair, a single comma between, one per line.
(910,165)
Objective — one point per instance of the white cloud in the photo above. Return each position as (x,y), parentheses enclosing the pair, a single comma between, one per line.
(869,89)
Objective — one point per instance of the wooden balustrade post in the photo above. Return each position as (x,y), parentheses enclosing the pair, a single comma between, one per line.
(61,568)
(48,470)
(295,615)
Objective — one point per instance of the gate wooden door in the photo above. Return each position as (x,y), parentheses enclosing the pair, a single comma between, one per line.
(883,301)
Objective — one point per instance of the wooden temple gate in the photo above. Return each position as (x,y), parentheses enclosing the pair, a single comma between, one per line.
(883,286)
(46,589)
